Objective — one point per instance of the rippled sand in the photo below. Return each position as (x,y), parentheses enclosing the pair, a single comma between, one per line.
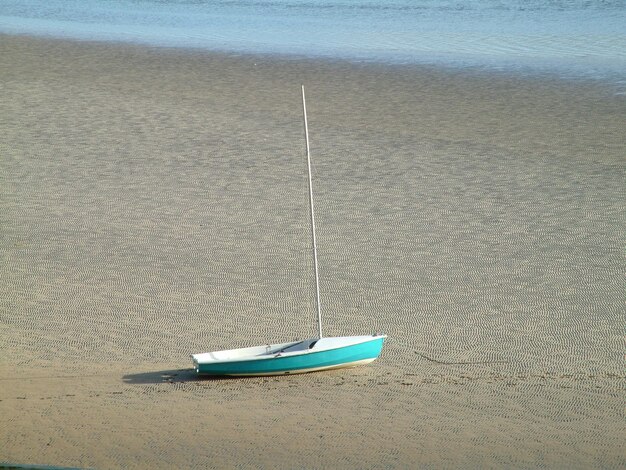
(153,204)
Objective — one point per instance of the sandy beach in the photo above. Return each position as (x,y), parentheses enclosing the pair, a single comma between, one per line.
(153,204)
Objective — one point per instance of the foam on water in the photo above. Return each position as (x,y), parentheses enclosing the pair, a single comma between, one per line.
(575,38)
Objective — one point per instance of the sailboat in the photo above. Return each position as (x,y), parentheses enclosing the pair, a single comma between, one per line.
(315,354)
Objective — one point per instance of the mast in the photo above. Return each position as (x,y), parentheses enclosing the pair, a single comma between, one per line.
(308,160)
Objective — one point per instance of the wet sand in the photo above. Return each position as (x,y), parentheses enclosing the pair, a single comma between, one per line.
(153,204)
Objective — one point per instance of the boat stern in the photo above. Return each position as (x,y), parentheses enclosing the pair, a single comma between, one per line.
(196,366)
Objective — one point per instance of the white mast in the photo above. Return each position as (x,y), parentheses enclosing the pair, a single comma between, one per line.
(308,160)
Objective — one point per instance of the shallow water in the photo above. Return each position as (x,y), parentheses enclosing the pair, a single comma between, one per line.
(573,38)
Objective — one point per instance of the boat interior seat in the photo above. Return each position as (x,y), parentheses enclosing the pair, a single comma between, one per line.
(301,346)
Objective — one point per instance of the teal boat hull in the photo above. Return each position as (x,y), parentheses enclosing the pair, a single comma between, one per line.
(291,358)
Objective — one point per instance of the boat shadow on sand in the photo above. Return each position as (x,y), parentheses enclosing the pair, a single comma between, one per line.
(170,376)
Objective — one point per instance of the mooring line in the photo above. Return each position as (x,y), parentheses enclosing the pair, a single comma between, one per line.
(459,363)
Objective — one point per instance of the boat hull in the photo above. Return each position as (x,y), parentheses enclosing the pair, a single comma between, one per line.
(328,355)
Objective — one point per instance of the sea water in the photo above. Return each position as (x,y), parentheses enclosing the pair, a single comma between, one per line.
(572,37)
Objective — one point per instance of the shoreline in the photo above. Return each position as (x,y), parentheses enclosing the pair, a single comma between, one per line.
(613,80)
(153,205)
(566,95)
